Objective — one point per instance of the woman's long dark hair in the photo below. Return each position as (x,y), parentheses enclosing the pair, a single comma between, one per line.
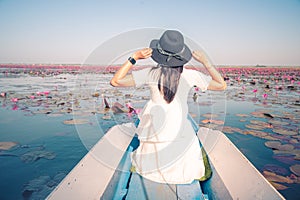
(168,80)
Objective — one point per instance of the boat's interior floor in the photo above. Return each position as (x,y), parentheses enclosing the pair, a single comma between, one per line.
(130,185)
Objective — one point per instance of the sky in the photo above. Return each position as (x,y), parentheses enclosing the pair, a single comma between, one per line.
(240,32)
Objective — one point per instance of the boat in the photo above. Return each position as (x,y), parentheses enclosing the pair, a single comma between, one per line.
(104,172)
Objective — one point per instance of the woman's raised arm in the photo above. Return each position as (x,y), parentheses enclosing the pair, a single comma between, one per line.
(217,82)
(121,78)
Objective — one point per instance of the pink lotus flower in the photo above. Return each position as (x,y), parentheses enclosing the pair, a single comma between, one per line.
(46,92)
(32,97)
(15,100)
(15,107)
(292,81)
(38,93)
(255,90)
(265,96)
(3,94)
(243,88)
(128,105)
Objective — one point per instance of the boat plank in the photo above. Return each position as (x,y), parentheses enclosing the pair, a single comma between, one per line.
(144,189)
(190,191)
(242,179)
(90,177)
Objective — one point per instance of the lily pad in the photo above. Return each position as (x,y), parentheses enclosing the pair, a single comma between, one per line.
(256,133)
(7,145)
(106,117)
(33,156)
(39,188)
(269,137)
(242,115)
(276,169)
(278,186)
(295,169)
(253,126)
(285,159)
(210,115)
(76,121)
(212,121)
(43,111)
(278,146)
(260,123)
(228,129)
(284,131)
(271,176)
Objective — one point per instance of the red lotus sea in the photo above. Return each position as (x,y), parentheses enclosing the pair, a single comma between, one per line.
(262,116)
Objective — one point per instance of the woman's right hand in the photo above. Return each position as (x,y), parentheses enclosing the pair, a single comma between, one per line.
(142,54)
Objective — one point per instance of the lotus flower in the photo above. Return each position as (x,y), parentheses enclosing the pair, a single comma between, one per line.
(265,96)
(15,100)
(3,94)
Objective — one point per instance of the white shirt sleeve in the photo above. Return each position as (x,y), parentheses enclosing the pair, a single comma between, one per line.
(196,78)
(140,76)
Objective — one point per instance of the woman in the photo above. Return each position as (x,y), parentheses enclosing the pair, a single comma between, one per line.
(169,150)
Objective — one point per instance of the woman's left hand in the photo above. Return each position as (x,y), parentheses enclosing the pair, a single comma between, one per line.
(142,54)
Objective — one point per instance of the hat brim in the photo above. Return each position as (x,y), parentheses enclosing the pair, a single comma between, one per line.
(186,56)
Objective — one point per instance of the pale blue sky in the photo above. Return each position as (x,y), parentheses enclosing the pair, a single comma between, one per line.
(246,32)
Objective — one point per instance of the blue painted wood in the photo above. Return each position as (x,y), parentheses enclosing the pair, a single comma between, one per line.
(121,189)
(190,191)
(144,189)
(117,187)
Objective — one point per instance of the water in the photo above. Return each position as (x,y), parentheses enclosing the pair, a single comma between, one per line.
(37,126)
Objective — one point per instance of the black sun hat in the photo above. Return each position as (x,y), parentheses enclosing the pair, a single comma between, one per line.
(170,49)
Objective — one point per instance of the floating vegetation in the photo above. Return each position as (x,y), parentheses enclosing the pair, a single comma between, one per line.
(242,115)
(7,145)
(256,133)
(284,131)
(76,121)
(271,176)
(277,122)
(212,121)
(228,129)
(33,156)
(275,169)
(253,126)
(295,169)
(40,187)
(210,115)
